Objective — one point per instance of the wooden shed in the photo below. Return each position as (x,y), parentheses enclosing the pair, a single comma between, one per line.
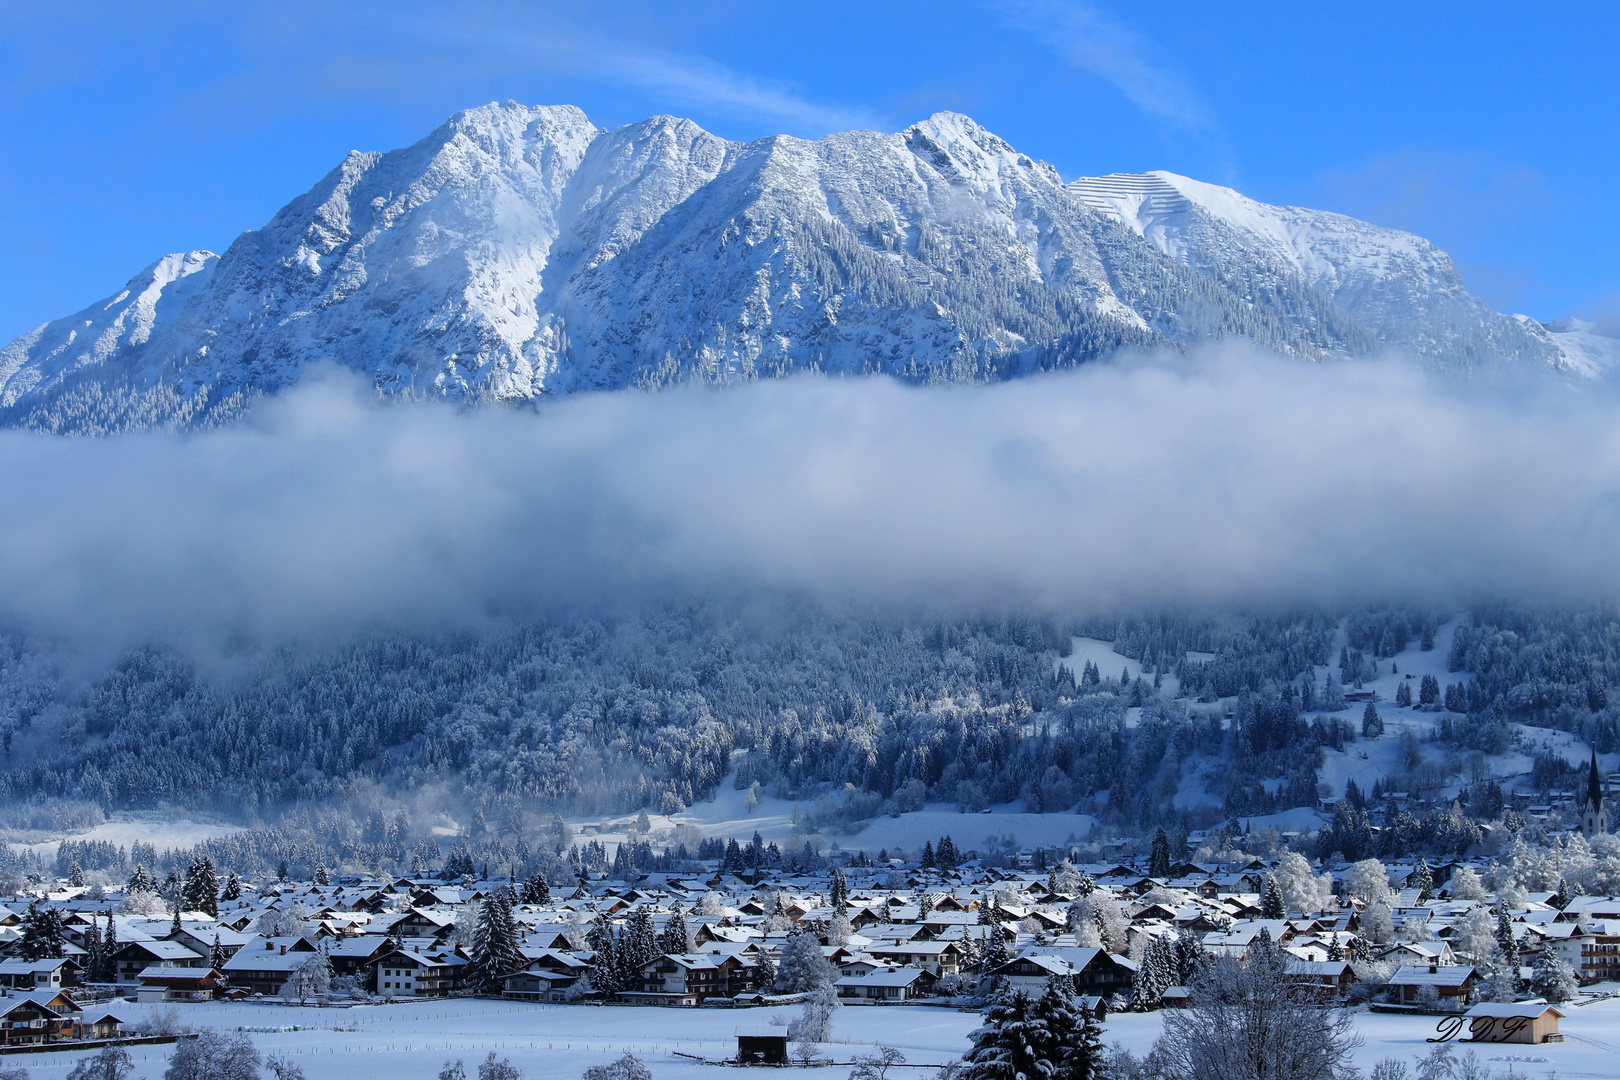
(1514,1022)
(763,1044)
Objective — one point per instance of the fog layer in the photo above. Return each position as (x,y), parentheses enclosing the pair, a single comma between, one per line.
(1232,479)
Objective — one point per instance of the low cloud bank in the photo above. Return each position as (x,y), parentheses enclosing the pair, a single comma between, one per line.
(1231,479)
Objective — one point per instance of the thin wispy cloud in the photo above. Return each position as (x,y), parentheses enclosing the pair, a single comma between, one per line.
(698,82)
(1091,41)
(549,42)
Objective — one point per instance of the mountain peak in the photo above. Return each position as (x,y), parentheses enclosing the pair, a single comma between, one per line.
(953,129)
(520,250)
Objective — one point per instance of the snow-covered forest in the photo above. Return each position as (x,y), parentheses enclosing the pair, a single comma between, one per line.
(853,715)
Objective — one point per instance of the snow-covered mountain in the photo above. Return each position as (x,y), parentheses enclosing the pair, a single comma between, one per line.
(1589,349)
(1395,288)
(521,251)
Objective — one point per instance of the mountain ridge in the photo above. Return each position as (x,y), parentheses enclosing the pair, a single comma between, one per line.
(520,251)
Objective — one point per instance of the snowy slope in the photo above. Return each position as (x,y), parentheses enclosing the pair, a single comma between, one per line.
(1587,349)
(1367,285)
(518,251)
(116,327)
(727,815)
(162,832)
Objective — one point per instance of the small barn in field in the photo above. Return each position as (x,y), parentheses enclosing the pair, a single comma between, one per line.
(1514,1022)
(762,1044)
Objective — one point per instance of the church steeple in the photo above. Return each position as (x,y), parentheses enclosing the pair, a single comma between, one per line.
(1594,815)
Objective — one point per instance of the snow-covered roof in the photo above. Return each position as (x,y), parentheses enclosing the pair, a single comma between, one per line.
(1509,1010)
(884,977)
(165,950)
(1432,975)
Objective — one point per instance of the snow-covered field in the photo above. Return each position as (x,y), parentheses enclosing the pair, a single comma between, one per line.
(1110,663)
(401,1042)
(972,830)
(1102,654)
(125,829)
(728,816)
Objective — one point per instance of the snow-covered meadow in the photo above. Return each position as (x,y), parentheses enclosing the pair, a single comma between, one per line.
(162,831)
(729,815)
(407,1041)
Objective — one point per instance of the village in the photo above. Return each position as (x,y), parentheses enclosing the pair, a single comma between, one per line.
(1426,941)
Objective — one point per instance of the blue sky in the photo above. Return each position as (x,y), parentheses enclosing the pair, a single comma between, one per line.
(135,130)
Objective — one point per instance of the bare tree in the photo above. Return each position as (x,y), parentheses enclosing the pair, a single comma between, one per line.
(214,1055)
(876,1065)
(1251,1022)
(814,1024)
(628,1067)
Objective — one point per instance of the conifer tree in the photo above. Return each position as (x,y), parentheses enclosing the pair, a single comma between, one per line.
(1011,1044)
(1058,1015)
(41,932)
(641,942)
(1505,942)
(1159,860)
(1075,1044)
(321,876)
(1425,880)
(496,951)
(233,887)
(1190,958)
(93,959)
(75,875)
(1154,975)
(1372,725)
(1553,978)
(1271,900)
(673,939)
(109,951)
(995,954)
(200,892)
(605,973)
(1083,1058)
(141,881)
(766,975)
(839,898)
(536,890)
